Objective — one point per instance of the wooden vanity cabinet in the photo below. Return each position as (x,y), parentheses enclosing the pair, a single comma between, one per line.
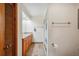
(26,43)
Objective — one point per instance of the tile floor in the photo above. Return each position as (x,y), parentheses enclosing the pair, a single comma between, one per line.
(36,50)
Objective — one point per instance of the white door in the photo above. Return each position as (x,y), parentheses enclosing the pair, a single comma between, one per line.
(63,37)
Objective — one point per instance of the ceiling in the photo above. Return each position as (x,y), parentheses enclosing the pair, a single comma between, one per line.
(35,9)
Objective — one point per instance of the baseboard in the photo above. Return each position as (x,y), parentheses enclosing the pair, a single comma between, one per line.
(37,42)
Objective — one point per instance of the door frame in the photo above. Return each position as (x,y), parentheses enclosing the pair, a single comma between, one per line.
(15,12)
(16,30)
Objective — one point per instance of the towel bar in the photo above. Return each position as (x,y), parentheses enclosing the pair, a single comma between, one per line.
(61,23)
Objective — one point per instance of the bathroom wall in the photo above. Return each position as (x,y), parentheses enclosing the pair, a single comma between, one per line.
(27,24)
(65,37)
(38,25)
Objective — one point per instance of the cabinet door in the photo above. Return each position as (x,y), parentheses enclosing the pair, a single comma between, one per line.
(24,46)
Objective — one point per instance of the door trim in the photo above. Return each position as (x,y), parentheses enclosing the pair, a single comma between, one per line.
(16,30)
(15,12)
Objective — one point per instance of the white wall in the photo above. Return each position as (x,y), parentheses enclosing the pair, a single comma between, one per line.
(27,26)
(66,37)
(39,34)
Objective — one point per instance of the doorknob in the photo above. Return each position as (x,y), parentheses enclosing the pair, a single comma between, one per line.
(54,45)
(6,47)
